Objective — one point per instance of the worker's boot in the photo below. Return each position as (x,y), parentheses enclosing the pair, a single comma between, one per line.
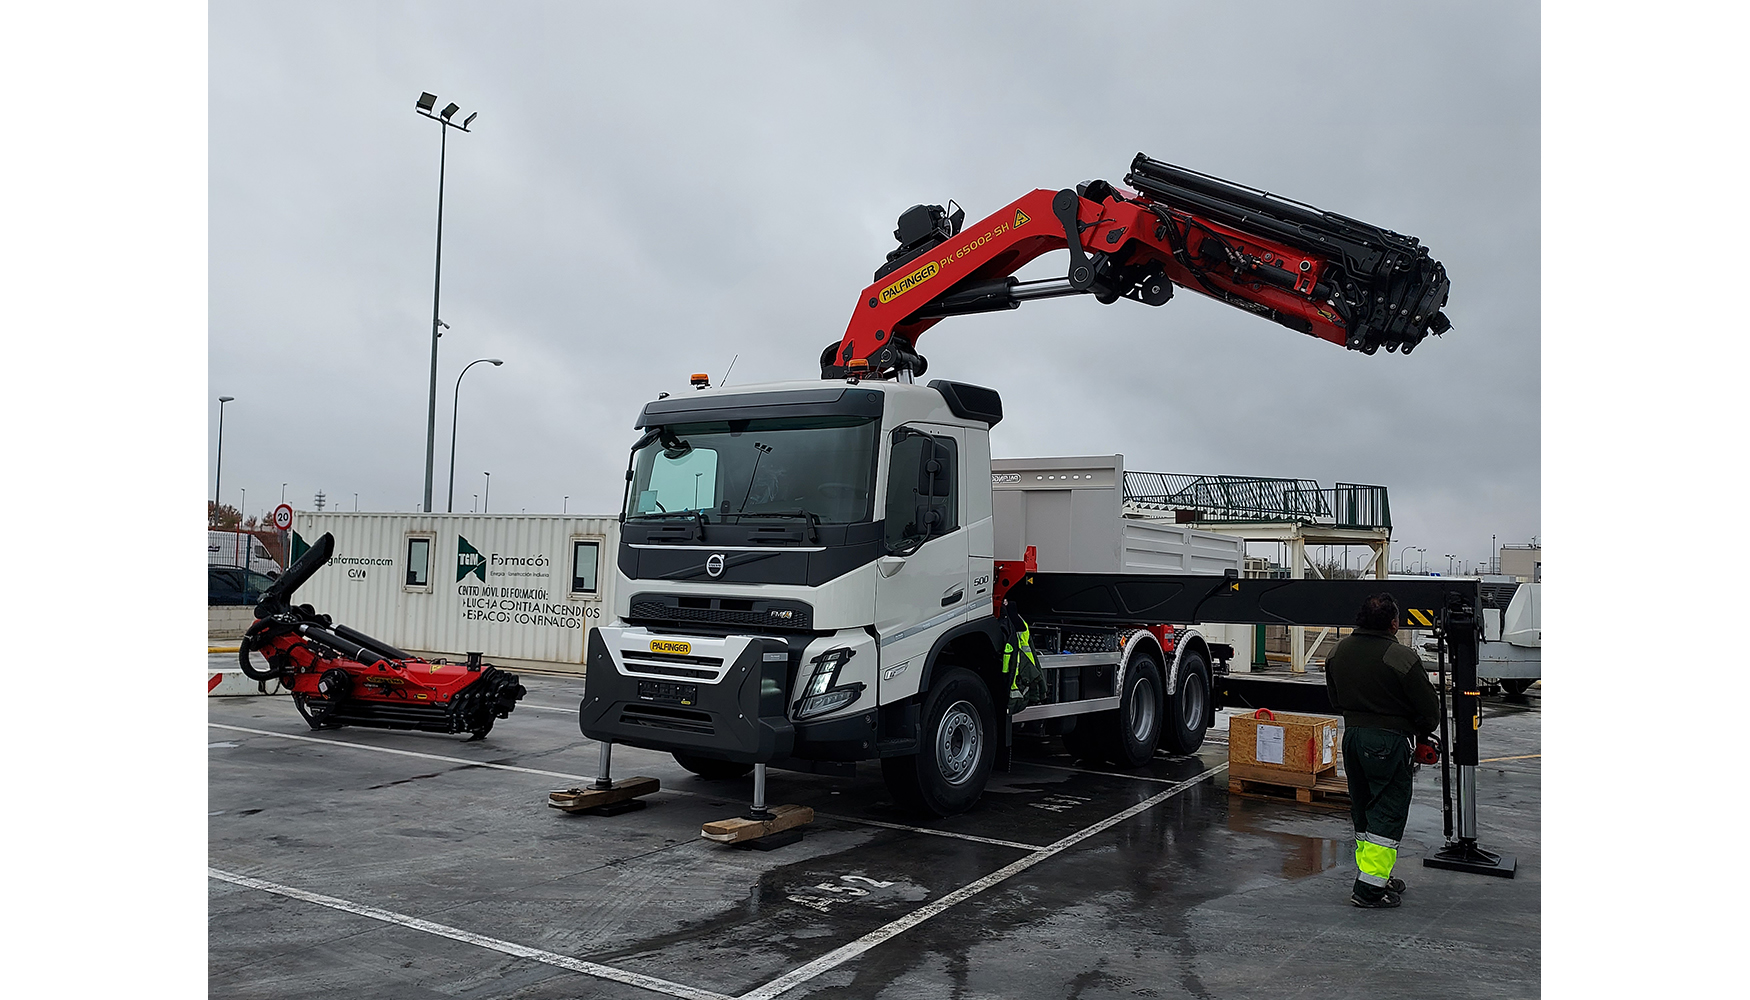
(1386,901)
(1395,885)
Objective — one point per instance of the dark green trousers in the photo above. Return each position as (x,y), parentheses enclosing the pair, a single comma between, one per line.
(1378,764)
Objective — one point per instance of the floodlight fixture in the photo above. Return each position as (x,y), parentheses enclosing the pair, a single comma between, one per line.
(450,110)
(426,102)
(470,119)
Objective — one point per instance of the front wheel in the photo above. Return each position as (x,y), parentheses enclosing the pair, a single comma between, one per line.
(1188,712)
(956,748)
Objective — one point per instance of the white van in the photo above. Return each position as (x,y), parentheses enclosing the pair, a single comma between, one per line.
(240,548)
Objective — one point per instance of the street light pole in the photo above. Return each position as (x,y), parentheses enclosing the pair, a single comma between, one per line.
(565,505)
(424,106)
(219,458)
(455,405)
(486,503)
(1448,564)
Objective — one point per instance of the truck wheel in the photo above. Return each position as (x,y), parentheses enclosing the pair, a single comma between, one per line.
(710,768)
(1188,713)
(1131,734)
(956,747)
(1516,686)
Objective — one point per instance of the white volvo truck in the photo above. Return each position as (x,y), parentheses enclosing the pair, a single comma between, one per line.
(810,574)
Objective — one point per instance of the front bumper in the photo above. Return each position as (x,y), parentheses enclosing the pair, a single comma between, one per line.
(732,709)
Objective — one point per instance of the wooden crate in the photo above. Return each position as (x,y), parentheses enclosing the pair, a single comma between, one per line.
(1309,743)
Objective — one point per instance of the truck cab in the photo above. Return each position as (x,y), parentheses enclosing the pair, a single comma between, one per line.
(790,557)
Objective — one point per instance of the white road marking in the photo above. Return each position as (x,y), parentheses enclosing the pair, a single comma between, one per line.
(415,753)
(934,833)
(549,708)
(566,962)
(661,791)
(1108,774)
(839,956)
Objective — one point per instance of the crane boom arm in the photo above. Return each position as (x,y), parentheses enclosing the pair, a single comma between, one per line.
(1316,272)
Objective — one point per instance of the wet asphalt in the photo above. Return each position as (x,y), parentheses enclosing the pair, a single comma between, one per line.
(1166,886)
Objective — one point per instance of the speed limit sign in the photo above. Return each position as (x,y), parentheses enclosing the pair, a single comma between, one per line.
(282,517)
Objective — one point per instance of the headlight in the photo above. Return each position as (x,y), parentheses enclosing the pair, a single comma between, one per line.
(821,695)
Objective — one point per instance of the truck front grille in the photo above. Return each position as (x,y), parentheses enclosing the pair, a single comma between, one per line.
(756,615)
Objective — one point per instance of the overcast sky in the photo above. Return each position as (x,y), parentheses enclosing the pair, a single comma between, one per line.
(649,193)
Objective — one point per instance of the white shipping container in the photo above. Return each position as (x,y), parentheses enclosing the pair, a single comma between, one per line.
(521,589)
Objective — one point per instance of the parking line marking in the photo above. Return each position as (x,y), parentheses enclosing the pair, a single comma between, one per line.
(431,756)
(566,962)
(1109,774)
(675,791)
(839,956)
(935,833)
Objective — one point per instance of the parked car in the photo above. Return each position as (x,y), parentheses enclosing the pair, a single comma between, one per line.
(235,585)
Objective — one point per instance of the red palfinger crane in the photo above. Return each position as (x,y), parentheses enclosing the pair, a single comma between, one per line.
(1316,272)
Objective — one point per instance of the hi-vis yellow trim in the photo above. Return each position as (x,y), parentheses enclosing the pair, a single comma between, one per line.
(1374,861)
(670,646)
(909,282)
(1419,617)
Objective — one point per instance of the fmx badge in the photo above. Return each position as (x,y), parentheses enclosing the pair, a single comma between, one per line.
(909,282)
(1021,218)
(469,560)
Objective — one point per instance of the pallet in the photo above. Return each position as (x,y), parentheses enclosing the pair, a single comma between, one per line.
(741,829)
(584,798)
(1327,788)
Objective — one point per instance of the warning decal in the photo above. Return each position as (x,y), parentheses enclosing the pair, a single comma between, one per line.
(1021,218)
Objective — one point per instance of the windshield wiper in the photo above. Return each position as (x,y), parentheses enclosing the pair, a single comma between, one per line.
(697,516)
(811,517)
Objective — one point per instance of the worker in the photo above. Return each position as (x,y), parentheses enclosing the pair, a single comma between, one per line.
(1382,689)
(1020,663)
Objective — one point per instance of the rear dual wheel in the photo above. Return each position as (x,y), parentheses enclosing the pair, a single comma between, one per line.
(1128,735)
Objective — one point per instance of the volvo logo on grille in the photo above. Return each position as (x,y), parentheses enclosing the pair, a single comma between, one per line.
(714,565)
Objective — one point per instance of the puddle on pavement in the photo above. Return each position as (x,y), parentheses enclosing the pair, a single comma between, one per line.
(1302,855)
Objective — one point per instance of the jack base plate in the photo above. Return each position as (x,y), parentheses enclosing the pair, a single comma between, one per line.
(1466,856)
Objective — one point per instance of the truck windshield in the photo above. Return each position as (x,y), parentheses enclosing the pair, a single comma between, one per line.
(807,467)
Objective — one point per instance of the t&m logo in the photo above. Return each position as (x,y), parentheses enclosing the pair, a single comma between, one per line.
(469,561)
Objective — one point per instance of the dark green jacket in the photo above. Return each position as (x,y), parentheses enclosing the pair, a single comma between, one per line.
(1379,683)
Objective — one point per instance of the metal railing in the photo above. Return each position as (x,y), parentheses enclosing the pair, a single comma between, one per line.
(1255,498)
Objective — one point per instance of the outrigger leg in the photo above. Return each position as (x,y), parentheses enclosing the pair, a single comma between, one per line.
(761,828)
(604,796)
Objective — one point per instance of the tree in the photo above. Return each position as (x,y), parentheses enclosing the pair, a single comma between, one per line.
(223,517)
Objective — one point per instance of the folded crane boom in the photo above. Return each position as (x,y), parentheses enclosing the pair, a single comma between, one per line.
(1316,272)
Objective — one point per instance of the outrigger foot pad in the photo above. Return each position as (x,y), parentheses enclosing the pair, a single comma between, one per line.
(740,829)
(619,797)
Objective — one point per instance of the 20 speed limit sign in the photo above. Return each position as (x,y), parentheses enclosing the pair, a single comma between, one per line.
(282,517)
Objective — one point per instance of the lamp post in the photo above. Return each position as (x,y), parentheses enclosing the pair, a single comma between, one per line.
(241,505)
(455,404)
(219,457)
(424,105)
(486,503)
(565,505)
(1448,564)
